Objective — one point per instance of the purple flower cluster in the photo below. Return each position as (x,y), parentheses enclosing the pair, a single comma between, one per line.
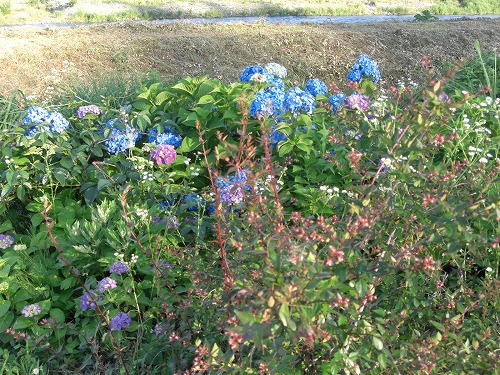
(316,87)
(40,119)
(231,189)
(356,101)
(6,241)
(163,154)
(120,321)
(30,311)
(82,111)
(86,302)
(106,284)
(364,67)
(118,268)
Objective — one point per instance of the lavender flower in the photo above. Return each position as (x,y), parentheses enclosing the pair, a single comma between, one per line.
(164,154)
(356,101)
(118,268)
(82,111)
(6,241)
(30,311)
(159,329)
(106,284)
(120,321)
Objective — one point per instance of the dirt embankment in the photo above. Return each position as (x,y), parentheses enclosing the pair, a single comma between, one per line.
(32,59)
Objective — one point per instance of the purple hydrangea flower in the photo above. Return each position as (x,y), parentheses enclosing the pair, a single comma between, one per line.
(120,321)
(164,154)
(118,268)
(88,109)
(106,284)
(86,302)
(30,311)
(356,101)
(6,241)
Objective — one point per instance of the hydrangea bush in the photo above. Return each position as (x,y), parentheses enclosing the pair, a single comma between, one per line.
(255,227)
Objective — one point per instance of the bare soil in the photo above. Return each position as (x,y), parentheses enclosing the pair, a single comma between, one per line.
(40,60)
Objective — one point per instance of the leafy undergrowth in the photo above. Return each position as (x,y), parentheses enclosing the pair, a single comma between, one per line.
(254,227)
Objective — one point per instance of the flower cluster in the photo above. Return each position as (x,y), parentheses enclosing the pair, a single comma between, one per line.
(30,311)
(88,300)
(118,267)
(167,137)
(357,101)
(164,154)
(121,137)
(267,102)
(336,101)
(120,321)
(275,70)
(297,100)
(231,189)
(6,241)
(316,87)
(364,67)
(39,119)
(82,111)
(249,71)
(106,284)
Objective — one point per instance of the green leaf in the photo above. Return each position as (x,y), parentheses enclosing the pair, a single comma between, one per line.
(190,142)
(102,183)
(377,343)
(4,307)
(437,325)
(91,195)
(284,313)
(6,321)
(22,323)
(206,99)
(246,317)
(58,315)
(161,97)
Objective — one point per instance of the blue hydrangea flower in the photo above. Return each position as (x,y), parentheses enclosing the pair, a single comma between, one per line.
(167,137)
(57,122)
(315,87)
(276,136)
(249,71)
(267,102)
(120,321)
(35,116)
(298,100)
(336,101)
(40,119)
(119,139)
(275,69)
(275,81)
(364,67)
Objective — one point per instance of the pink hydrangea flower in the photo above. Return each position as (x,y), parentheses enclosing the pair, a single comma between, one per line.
(164,154)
